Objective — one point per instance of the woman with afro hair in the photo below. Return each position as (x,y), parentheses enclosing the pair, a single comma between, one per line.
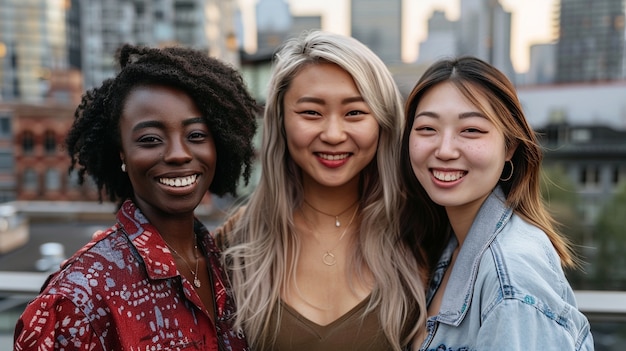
(173,124)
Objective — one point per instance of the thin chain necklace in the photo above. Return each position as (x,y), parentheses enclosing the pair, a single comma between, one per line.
(337,222)
(328,257)
(196,281)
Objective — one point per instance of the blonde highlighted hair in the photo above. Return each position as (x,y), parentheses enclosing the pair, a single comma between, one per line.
(263,248)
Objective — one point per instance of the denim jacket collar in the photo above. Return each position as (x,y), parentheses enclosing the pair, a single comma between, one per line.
(489,221)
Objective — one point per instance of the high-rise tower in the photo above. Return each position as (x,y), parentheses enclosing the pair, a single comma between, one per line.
(378,24)
(200,24)
(591,41)
(485,32)
(32,44)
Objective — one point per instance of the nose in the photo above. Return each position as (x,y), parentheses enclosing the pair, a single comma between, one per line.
(177,151)
(333,130)
(447,148)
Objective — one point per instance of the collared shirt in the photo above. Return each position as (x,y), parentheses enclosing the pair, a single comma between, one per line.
(506,291)
(122,291)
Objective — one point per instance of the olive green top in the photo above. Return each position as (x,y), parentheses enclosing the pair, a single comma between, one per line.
(352,331)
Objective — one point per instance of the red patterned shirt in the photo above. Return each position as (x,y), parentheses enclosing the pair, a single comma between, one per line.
(122,291)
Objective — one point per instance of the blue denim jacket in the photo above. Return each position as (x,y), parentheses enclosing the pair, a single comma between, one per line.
(507,290)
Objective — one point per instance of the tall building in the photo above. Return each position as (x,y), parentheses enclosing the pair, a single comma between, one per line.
(305,23)
(485,32)
(542,68)
(378,24)
(441,40)
(73,34)
(591,41)
(105,25)
(32,44)
(273,24)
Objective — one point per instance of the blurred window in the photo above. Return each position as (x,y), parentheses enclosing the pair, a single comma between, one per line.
(53,179)
(30,180)
(50,142)
(28,142)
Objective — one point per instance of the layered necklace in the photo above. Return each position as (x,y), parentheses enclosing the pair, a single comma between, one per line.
(328,258)
(196,281)
(337,222)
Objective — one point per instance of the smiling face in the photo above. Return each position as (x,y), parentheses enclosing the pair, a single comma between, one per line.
(331,132)
(456,152)
(168,150)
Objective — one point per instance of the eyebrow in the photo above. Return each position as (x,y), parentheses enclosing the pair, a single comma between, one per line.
(159,124)
(461,115)
(323,102)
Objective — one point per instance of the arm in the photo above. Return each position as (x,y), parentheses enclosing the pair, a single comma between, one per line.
(52,322)
(515,324)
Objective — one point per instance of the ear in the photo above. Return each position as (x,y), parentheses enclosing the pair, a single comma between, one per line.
(511,150)
(122,157)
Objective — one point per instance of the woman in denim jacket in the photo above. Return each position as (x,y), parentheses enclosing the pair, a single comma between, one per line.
(471,163)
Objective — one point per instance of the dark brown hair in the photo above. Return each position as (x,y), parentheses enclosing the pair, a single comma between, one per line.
(425,224)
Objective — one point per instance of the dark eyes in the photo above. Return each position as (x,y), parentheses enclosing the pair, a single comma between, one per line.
(473,130)
(426,129)
(152,140)
(350,113)
(197,136)
(310,112)
(423,128)
(356,113)
(149,139)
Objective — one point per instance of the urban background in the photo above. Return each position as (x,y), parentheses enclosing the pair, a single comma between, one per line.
(573,92)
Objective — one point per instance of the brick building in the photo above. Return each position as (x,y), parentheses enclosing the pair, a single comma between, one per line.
(40,160)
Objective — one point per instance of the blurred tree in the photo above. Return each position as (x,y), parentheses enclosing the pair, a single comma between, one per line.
(610,238)
(562,200)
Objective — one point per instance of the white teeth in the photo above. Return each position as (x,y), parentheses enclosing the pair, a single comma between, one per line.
(448,176)
(180,181)
(334,157)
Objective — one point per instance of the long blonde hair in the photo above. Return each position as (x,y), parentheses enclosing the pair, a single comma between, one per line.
(263,248)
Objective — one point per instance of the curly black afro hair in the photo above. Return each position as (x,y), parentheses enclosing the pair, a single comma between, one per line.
(218,91)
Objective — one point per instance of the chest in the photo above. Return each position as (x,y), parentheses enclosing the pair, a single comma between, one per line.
(352,331)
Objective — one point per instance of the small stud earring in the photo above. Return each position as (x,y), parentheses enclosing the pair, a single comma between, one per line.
(123,167)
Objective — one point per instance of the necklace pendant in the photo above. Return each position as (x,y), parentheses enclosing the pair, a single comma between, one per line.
(196,282)
(329,259)
(337,223)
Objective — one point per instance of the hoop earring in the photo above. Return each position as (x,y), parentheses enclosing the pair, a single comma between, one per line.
(511,174)
(123,167)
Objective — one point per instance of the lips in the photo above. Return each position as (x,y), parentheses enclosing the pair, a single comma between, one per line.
(179,182)
(448,176)
(331,157)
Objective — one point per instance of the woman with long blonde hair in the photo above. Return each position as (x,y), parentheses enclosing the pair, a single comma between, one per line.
(316,257)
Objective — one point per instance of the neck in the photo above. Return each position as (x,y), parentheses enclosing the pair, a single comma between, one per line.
(331,200)
(461,219)
(178,234)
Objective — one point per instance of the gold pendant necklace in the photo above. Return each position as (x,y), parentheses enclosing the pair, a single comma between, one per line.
(328,257)
(196,281)
(337,222)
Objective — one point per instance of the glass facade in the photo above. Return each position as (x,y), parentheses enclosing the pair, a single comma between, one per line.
(32,36)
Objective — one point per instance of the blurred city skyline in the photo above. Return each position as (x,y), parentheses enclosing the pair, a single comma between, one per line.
(532,22)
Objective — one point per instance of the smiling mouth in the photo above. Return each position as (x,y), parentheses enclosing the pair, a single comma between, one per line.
(333,157)
(448,176)
(179,181)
